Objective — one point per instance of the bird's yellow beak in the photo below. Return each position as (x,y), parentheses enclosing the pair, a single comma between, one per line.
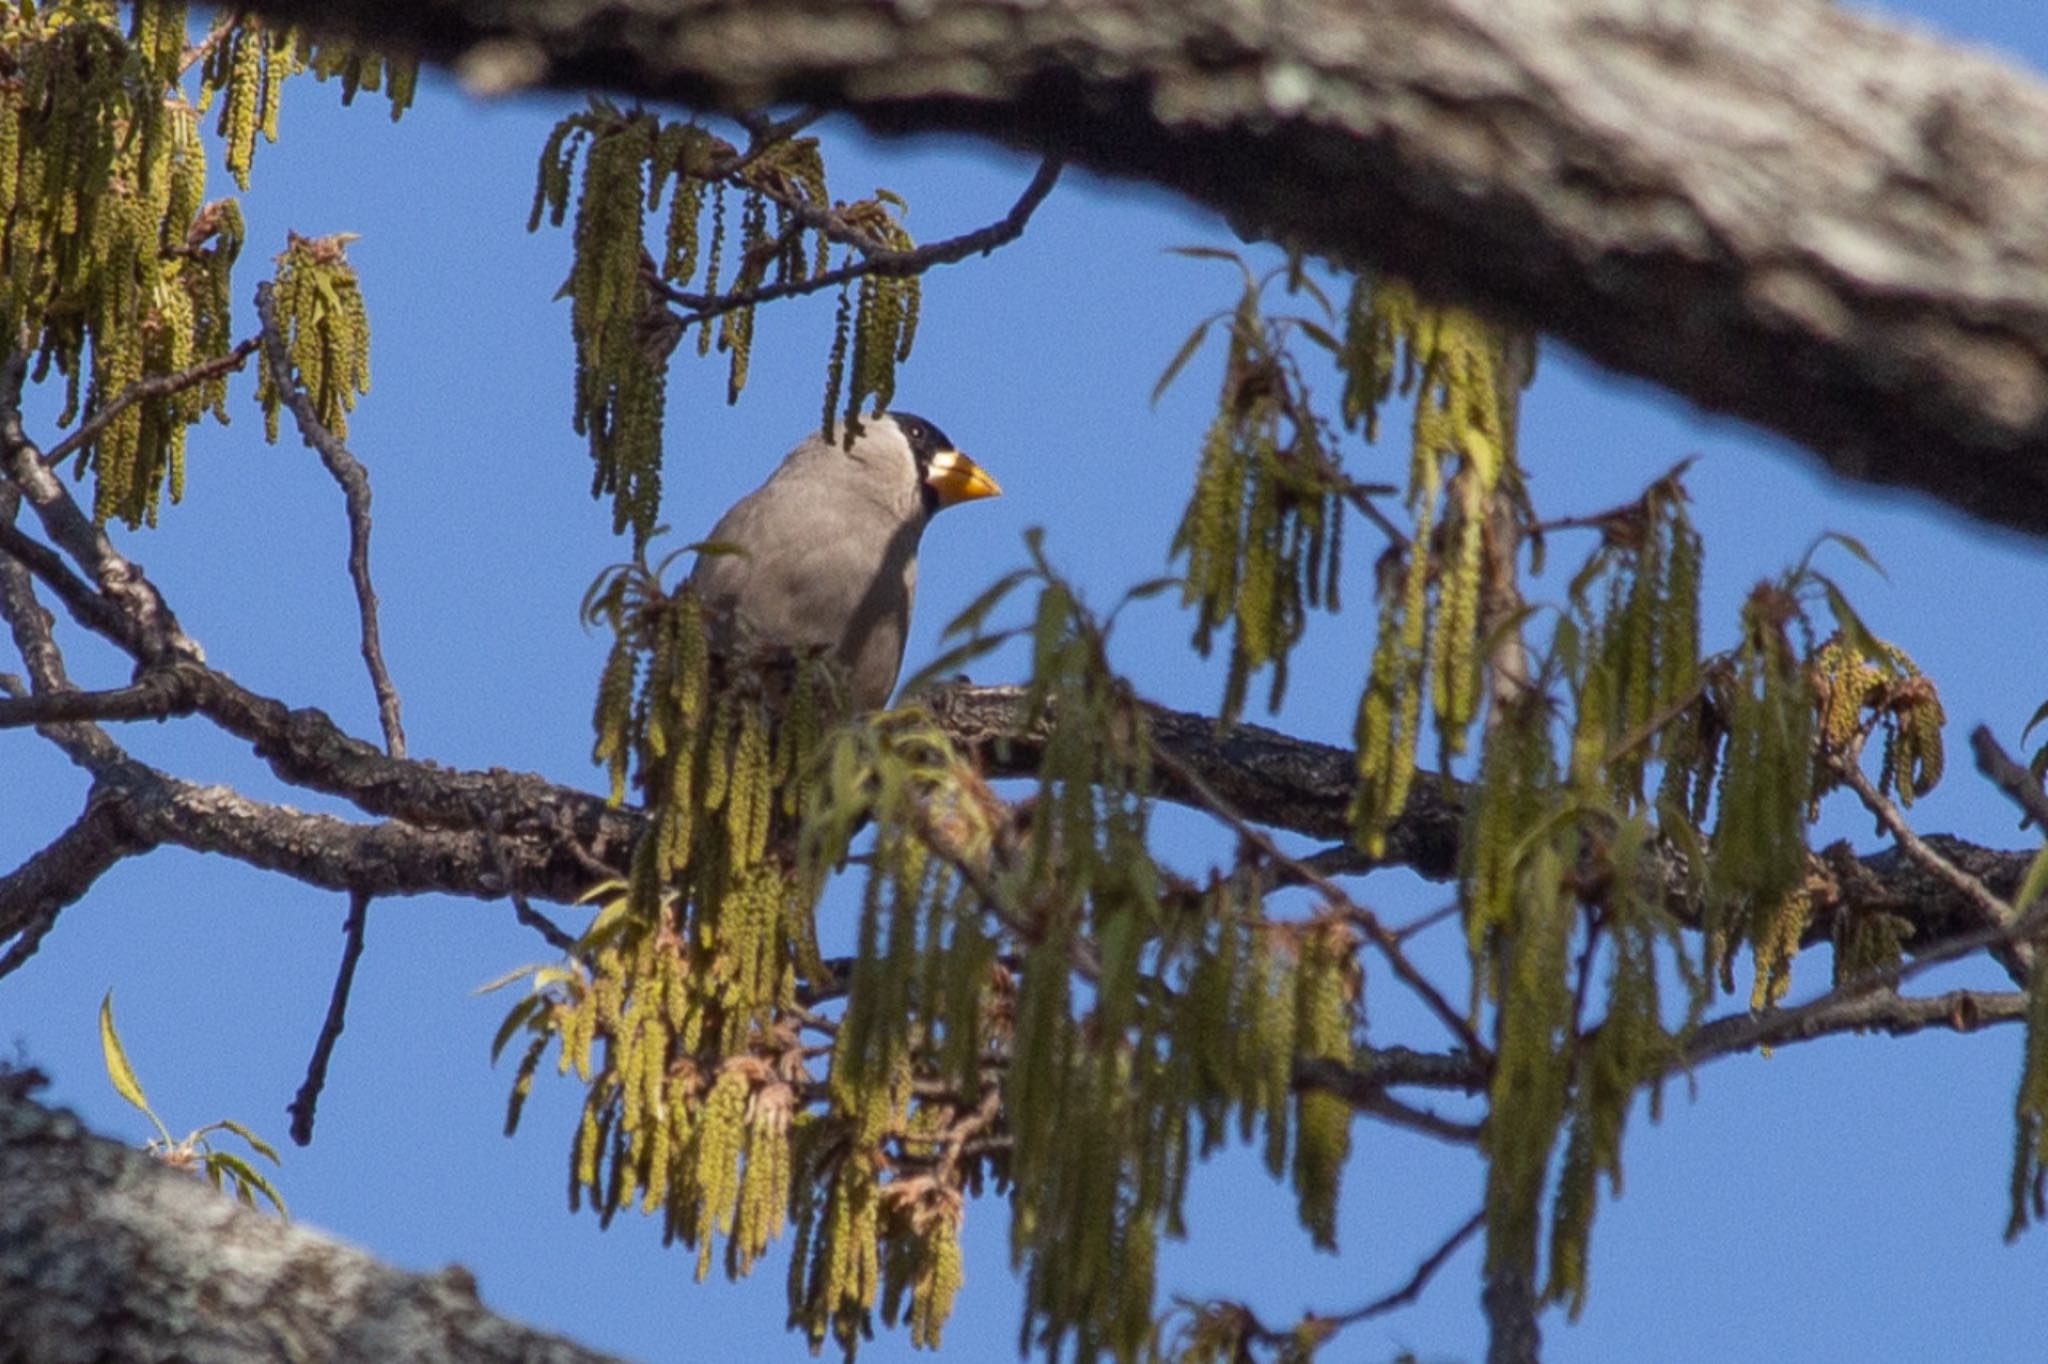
(956,478)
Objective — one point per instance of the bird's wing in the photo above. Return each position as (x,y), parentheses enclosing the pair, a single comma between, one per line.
(811,566)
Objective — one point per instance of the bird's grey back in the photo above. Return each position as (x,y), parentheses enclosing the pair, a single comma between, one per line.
(825,554)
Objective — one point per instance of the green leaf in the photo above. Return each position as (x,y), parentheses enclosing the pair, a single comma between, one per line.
(1848,542)
(246,1176)
(953,659)
(2034,883)
(515,1018)
(969,620)
(2040,714)
(502,981)
(115,1057)
(1853,630)
(256,1143)
(1152,587)
(610,918)
(1181,357)
(1320,335)
(1298,282)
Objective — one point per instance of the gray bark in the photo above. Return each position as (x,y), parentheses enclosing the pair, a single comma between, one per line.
(107,1256)
(1831,225)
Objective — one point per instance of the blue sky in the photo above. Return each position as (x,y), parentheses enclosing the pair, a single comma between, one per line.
(1841,1199)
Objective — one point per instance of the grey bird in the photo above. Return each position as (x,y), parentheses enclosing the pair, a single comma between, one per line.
(824,554)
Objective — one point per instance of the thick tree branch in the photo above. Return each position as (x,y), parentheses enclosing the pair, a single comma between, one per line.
(105,1254)
(1829,224)
(59,874)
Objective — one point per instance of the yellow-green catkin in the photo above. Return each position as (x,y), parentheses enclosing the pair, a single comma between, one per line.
(326,331)
(1460,461)
(111,269)
(1262,528)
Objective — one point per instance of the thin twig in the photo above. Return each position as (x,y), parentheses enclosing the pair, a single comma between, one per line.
(355,487)
(1744,1031)
(1388,942)
(501,866)
(301,1108)
(1319,1328)
(155,386)
(704,307)
(222,22)
(763,134)
(1430,920)
(1419,1280)
(1993,911)
(1394,1112)
(2008,776)
(1959,1011)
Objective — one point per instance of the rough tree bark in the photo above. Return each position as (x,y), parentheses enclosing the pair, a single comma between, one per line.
(106,1255)
(1831,225)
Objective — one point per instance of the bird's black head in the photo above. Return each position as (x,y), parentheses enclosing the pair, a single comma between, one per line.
(926,441)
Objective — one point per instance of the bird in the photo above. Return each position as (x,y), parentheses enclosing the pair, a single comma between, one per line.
(824,554)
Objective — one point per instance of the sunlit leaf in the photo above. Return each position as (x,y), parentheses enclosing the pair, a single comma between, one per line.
(115,1057)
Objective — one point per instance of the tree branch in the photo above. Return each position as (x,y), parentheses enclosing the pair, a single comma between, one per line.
(59,874)
(155,386)
(2016,957)
(307,1100)
(1804,215)
(1877,1011)
(874,260)
(347,471)
(2015,781)
(158,694)
(104,1252)
(155,631)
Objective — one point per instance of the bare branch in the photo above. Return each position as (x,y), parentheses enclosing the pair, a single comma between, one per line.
(59,874)
(154,386)
(348,471)
(308,1098)
(1858,1003)
(874,260)
(87,607)
(1960,1011)
(1424,1272)
(85,744)
(501,868)
(2016,781)
(156,695)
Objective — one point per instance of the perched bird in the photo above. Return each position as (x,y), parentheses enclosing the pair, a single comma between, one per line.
(825,552)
